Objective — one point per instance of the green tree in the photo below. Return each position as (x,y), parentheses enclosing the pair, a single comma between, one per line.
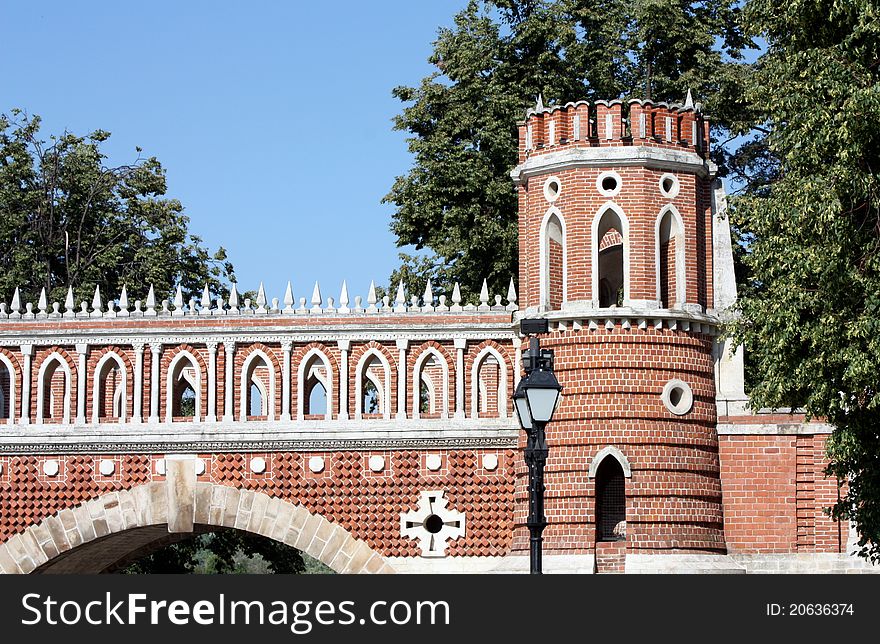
(67,219)
(457,204)
(224,551)
(810,315)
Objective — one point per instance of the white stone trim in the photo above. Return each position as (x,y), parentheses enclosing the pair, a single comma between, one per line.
(774,429)
(680,254)
(613,452)
(548,193)
(609,174)
(413,524)
(544,257)
(676,185)
(597,233)
(685,403)
(502,381)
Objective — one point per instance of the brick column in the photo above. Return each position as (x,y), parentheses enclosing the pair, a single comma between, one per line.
(460,344)
(401,378)
(155,360)
(228,384)
(285,381)
(212,382)
(81,393)
(27,350)
(137,414)
(344,348)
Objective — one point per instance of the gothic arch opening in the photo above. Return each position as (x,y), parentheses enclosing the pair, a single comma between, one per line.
(373,386)
(431,377)
(314,386)
(610,258)
(53,390)
(184,387)
(670,259)
(257,388)
(553,261)
(109,395)
(7,388)
(489,385)
(610,501)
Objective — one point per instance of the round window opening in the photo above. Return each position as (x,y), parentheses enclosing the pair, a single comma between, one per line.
(669,186)
(433,524)
(552,189)
(678,397)
(608,183)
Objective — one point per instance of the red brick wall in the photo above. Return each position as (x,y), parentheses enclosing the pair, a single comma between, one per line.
(774,494)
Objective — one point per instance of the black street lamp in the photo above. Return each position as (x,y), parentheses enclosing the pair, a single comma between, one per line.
(536,399)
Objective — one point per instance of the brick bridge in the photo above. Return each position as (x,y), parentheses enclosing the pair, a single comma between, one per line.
(378,435)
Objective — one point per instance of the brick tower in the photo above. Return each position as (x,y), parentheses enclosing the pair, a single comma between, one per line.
(615,234)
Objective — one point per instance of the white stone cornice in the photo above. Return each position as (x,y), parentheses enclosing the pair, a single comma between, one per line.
(610,157)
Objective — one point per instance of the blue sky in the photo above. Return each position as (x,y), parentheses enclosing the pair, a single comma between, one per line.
(273,119)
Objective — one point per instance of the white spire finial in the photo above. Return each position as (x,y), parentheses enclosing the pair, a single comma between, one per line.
(456,294)
(400,299)
(288,297)
(68,301)
(206,297)
(42,304)
(511,292)
(96,300)
(178,297)
(16,301)
(123,299)
(261,299)
(316,296)
(371,295)
(233,297)
(343,298)
(484,294)
(151,301)
(428,295)
(689,100)
(539,103)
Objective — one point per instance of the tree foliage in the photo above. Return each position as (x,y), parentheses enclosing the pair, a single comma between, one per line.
(811,311)
(220,552)
(67,219)
(457,203)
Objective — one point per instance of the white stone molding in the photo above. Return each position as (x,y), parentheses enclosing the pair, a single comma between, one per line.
(316,464)
(344,348)
(544,256)
(460,344)
(285,380)
(98,386)
(361,372)
(107,467)
(268,393)
(402,345)
(613,452)
(677,397)
(416,382)
(82,350)
(302,376)
(666,177)
(258,465)
(551,194)
(229,381)
(490,462)
(42,389)
(376,463)
(678,236)
(155,364)
(618,183)
(433,524)
(502,381)
(137,402)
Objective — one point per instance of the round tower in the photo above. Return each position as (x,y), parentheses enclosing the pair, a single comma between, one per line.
(615,245)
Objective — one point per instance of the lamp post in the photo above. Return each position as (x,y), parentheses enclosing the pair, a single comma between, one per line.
(535,401)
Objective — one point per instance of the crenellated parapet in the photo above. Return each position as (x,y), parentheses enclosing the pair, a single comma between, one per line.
(612,124)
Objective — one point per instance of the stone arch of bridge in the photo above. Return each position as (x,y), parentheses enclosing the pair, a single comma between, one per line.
(116,528)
